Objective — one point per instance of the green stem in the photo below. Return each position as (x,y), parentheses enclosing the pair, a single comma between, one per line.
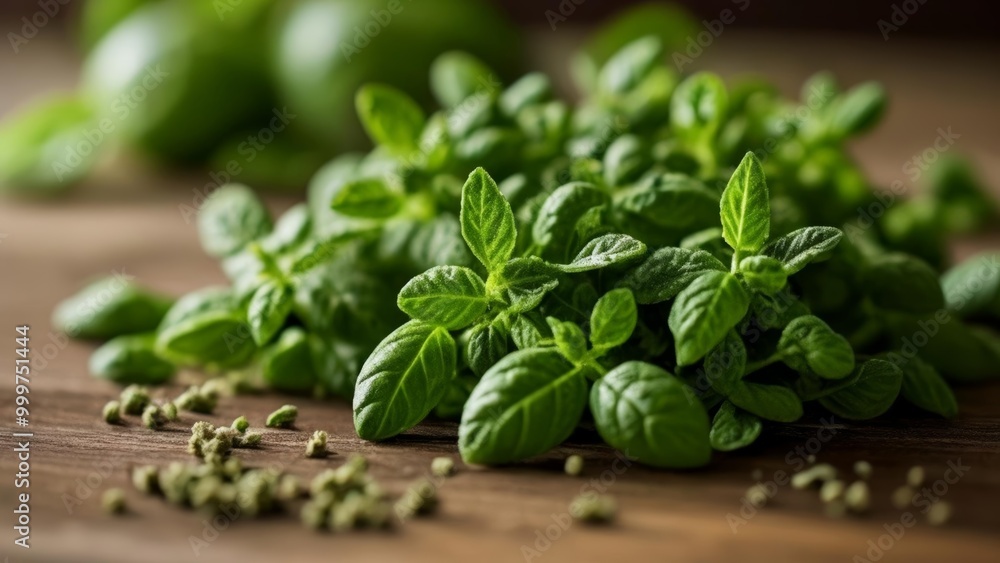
(754,366)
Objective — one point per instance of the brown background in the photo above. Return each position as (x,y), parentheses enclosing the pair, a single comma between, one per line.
(128,219)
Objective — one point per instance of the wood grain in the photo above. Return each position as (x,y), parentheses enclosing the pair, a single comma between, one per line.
(130,221)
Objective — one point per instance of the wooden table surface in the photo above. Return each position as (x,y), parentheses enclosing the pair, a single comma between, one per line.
(128,220)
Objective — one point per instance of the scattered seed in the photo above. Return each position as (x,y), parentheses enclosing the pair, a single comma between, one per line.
(863,469)
(810,459)
(241,424)
(593,508)
(815,474)
(146,479)
(134,399)
(915,476)
(195,399)
(573,465)
(420,498)
(757,475)
(170,411)
(248,440)
(857,497)
(316,446)
(939,513)
(112,412)
(903,497)
(831,490)
(284,417)
(442,466)
(113,501)
(289,488)
(153,417)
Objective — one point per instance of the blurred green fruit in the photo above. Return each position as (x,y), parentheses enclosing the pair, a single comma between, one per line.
(176,79)
(47,146)
(328,48)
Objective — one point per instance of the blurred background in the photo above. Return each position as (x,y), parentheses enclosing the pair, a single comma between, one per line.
(230,65)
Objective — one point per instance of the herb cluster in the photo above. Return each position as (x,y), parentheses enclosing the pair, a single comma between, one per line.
(654,259)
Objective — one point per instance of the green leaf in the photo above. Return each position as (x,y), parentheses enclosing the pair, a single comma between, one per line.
(525,405)
(110,307)
(858,110)
(652,416)
(523,283)
(770,402)
(391,118)
(557,220)
(367,198)
(403,379)
(207,328)
(449,296)
(626,68)
(456,75)
(613,319)
(131,359)
(337,364)
(287,365)
(317,251)
(268,309)
(924,387)
(625,160)
(569,339)
(809,345)
(733,428)
(871,395)
(603,251)
(973,287)
(487,344)
(487,221)
(230,219)
(698,106)
(904,283)
(664,208)
(725,365)
(667,271)
(763,274)
(746,208)
(704,312)
(798,248)
(38,144)
(531,89)
(529,331)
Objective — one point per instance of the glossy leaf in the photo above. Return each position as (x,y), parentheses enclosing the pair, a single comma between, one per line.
(268,309)
(733,428)
(746,208)
(525,405)
(809,345)
(449,296)
(665,272)
(391,118)
(613,319)
(798,248)
(403,379)
(487,221)
(704,312)
(651,415)
(604,251)
(871,395)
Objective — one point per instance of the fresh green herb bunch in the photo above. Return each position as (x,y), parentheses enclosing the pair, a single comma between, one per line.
(655,256)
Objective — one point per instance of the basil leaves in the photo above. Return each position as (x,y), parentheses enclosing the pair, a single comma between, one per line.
(657,278)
